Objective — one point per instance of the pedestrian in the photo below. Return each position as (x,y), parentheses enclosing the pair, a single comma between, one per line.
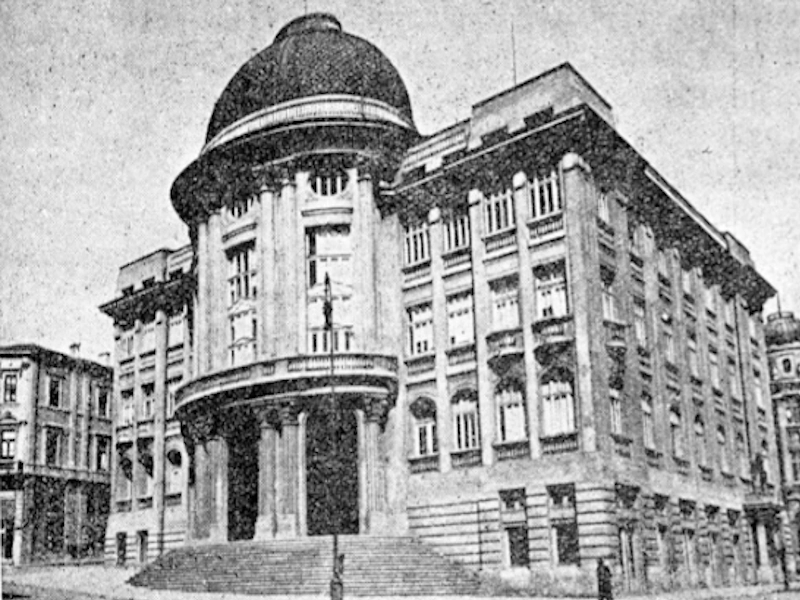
(604,591)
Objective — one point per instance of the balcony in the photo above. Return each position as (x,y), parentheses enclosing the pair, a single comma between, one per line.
(457,258)
(462,354)
(653,457)
(622,444)
(122,506)
(308,374)
(615,335)
(500,241)
(559,444)
(461,459)
(172,499)
(550,335)
(681,464)
(546,228)
(417,274)
(504,346)
(423,464)
(417,365)
(706,473)
(512,450)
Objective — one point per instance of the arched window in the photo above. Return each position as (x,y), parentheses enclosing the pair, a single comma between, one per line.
(722,449)
(558,406)
(512,416)
(648,425)
(676,433)
(700,441)
(425,441)
(465,420)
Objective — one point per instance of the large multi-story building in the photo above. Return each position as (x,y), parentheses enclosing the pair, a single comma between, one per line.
(55,454)
(539,352)
(782,334)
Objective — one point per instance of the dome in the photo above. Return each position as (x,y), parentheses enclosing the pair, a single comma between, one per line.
(782,328)
(311,56)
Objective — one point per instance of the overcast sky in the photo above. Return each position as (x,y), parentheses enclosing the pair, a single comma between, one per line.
(103,103)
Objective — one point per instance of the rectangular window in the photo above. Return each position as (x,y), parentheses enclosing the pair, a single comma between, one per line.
(693,359)
(609,302)
(172,386)
(52,447)
(10,387)
(460,319)
(662,261)
(686,282)
(603,208)
(713,367)
(420,330)
(498,212)
(103,453)
(8,444)
(795,458)
(175,331)
(427,444)
(148,400)
(417,244)
(558,407)
(456,232)
(147,339)
(564,542)
(465,415)
(102,402)
(511,415)
(640,322)
(669,343)
(56,392)
(615,406)
(545,197)
(505,304)
(733,378)
(551,292)
(242,273)
(711,300)
(648,424)
(127,412)
(758,391)
(518,546)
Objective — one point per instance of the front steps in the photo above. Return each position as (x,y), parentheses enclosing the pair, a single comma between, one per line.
(374,566)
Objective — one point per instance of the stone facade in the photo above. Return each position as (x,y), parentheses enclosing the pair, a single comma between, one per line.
(55,454)
(512,339)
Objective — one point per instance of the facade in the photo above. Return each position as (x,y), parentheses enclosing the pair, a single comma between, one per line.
(512,339)
(55,454)
(782,335)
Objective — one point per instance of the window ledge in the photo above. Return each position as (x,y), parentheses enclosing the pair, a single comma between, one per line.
(422,464)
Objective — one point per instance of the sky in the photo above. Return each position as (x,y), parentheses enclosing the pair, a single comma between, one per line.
(104,102)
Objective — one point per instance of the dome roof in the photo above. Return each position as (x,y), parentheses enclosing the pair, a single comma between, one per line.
(782,328)
(310,56)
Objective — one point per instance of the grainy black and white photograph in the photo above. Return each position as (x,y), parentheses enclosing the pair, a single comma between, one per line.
(403,299)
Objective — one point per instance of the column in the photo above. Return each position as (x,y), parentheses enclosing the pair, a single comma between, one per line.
(440,340)
(160,325)
(376,410)
(288,471)
(201,358)
(217,287)
(765,574)
(200,505)
(266,273)
(363,260)
(218,476)
(267,451)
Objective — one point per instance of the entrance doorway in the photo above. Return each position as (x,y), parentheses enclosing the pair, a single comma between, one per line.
(331,471)
(243,480)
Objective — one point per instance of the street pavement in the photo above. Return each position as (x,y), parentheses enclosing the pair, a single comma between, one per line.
(109,583)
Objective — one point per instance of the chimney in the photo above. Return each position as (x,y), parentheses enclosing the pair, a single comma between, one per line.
(104,358)
(75,348)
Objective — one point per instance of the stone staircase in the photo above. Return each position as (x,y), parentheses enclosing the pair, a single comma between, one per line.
(374,566)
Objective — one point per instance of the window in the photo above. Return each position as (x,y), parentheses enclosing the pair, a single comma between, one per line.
(700,441)
(243,330)
(460,320)
(603,208)
(676,433)
(148,400)
(615,406)
(741,451)
(417,244)
(103,453)
(512,420)
(733,378)
(730,313)
(722,449)
(518,546)
(786,365)
(125,345)
(56,391)
(498,212)
(456,232)
(545,197)
(713,367)
(425,439)
(765,461)
(795,460)
(328,183)
(241,206)
(648,425)
(8,444)
(52,446)
(420,329)
(127,412)
(558,406)
(662,261)
(551,291)
(564,541)
(711,299)
(637,235)
(505,304)
(758,392)
(10,387)
(686,282)
(102,402)
(172,386)
(669,343)
(329,251)
(241,273)
(465,417)
(639,322)
(691,350)
(175,333)
(147,339)
(609,302)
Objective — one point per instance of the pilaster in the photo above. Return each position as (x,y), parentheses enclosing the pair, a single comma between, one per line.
(266,247)
(440,340)
(202,357)
(287,486)
(161,325)
(375,413)
(216,307)
(267,452)
(363,261)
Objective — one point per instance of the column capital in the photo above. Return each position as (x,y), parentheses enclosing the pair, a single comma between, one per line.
(200,428)
(269,417)
(376,410)
(289,412)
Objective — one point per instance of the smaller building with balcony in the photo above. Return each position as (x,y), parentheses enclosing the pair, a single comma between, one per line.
(55,454)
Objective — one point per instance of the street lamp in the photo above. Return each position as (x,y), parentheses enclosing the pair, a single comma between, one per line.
(337,583)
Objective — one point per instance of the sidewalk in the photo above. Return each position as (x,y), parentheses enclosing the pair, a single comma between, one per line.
(104,582)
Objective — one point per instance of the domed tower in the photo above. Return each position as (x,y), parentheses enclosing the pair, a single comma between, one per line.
(782,337)
(285,220)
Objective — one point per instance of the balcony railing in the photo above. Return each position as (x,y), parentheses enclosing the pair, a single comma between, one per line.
(511,450)
(423,464)
(466,458)
(503,344)
(420,364)
(456,258)
(547,227)
(553,330)
(558,444)
(622,444)
(417,272)
(498,241)
(458,355)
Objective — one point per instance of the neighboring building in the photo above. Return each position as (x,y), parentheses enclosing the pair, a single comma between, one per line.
(55,454)
(152,348)
(541,352)
(782,334)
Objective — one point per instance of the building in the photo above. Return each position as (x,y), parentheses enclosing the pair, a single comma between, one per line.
(782,334)
(55,454)
(539,353)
